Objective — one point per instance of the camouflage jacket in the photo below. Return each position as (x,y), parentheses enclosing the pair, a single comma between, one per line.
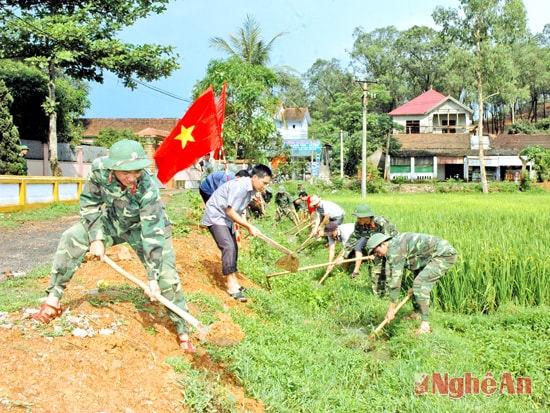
(412,251)
(283,201)
(108,210)
(377,224)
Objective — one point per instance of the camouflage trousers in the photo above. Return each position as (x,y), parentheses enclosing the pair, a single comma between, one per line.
(75,243)
(288,212)
(425,280)
(378,273)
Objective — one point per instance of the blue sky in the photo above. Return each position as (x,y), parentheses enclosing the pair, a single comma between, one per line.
(315,29)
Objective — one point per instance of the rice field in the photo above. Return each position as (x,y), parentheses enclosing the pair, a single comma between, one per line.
(502,241)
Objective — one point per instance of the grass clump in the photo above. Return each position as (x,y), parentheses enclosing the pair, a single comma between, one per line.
(202,390)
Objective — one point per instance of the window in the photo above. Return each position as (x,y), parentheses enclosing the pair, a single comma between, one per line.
(451,123)
(412,126)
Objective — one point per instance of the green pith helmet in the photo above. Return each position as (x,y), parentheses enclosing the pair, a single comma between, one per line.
(281,190)
(127,155)
(363,211)
(376,240)
(22,147)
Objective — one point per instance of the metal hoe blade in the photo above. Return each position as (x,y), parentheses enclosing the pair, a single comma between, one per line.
(288,263)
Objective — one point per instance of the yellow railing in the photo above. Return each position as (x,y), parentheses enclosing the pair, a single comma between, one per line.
(19,193)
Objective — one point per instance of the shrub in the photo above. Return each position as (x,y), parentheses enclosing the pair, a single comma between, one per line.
(522,126)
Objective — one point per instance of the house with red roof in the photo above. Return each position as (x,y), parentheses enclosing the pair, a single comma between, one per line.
(439,142)
(433,112)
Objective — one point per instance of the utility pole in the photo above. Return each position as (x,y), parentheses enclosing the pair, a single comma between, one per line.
(341,154)
(312,160)
(365,87)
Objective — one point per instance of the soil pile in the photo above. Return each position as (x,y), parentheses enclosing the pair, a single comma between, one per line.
(114,359)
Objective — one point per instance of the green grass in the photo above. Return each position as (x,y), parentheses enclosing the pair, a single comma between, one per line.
(55,210)
(19,292)
(306,346)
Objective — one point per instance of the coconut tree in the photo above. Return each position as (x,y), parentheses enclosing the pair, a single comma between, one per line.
(248,44)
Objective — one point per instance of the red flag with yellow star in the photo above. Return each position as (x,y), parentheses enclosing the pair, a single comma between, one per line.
(196,134)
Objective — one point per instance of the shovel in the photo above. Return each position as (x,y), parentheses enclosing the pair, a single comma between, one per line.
(386,321)
(287,262)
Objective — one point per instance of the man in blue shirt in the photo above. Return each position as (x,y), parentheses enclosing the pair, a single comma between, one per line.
(217,179)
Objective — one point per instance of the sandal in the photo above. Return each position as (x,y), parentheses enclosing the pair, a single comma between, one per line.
(238,296)
(44,317)
(243,289)
(187,346)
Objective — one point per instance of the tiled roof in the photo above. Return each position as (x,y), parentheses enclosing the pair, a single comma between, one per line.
(513,144)
(92,126)
(420,104)
(459,144)
(157,133)
(435,144)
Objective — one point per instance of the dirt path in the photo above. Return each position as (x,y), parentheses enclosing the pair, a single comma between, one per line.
(104,355)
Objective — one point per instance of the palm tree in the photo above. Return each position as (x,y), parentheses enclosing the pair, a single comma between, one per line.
(248,44)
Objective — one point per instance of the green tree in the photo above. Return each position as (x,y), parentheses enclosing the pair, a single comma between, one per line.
(325,80)
(10,161)
(28,86)
(249,129)
(483,27)
(421,54)
(108,136)
(248,44)
(541,160)
(78,39)
(291,91)
(533,60)
(375,57)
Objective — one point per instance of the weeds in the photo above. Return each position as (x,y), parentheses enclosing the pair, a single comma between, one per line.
(202,390)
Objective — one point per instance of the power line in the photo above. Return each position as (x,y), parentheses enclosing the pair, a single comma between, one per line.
(162,91)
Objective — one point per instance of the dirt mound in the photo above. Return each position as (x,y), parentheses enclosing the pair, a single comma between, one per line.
(114,359)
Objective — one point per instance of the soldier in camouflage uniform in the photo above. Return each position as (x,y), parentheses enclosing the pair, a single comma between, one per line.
(366,225)
(23,155)
(300,206)
(427,256)
(285,206)
(120,202)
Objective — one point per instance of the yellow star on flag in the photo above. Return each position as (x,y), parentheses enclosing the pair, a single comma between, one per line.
(185,136)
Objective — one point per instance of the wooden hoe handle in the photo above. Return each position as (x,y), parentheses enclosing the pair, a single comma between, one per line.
(386,321)
(275,244)
(170,305)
